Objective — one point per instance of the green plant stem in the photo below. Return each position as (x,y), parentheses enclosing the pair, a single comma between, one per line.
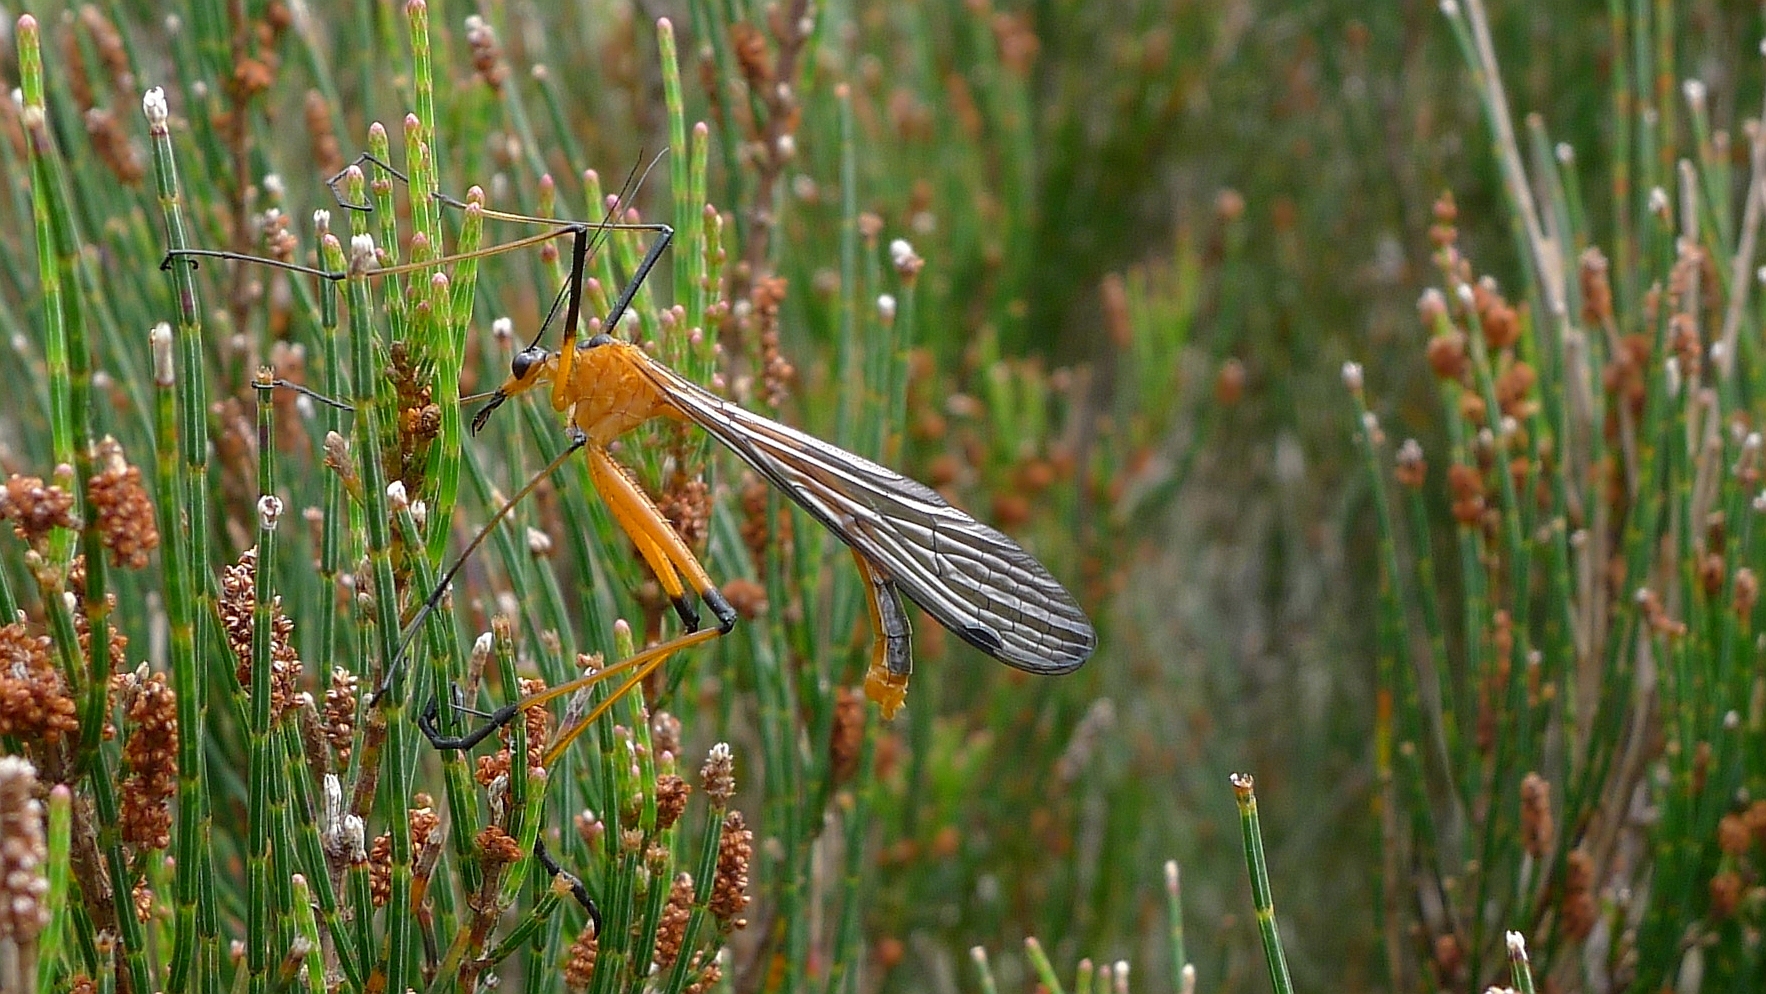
(261,819)
(52,943)
(188,379)
(1180,960)
(308,928)
(1039,962)
(854,807)
(186,679)
(1261,896)
(985,972)
(366,377)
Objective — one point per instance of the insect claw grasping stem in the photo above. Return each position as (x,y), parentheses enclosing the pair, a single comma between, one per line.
(426,723)
(577,889)
(726,615)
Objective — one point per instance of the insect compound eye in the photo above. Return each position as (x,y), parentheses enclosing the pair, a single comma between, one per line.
(523,363)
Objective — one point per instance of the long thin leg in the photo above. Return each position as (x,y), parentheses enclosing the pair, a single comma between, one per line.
(633,669)
(426,723)
(563,385)
(630,515)
(664,236)
(309,392)
(293,267)
(652,658)
(577,889)
(615,486)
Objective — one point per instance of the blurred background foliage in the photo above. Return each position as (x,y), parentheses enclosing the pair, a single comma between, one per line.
(1153,230)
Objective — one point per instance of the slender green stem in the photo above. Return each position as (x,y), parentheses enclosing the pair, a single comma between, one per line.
(365,376)
(52,943)
(854,807)
(189,379)
(265,766)
(186,679)
(687,288)
(308,929)
(1039,962)
(1180,962)
(1262,897)
(43,189)
(704,877)
(983,970)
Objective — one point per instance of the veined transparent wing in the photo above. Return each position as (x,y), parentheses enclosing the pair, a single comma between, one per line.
(970,578)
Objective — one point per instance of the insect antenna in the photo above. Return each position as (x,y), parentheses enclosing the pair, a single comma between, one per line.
(573,290)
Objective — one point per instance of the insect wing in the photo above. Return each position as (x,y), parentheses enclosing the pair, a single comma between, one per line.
(969,577)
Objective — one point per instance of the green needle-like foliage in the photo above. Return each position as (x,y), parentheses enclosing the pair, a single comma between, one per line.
(292,439)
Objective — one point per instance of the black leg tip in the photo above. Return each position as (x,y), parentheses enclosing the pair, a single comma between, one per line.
(498,718)
(577,890)
(689,614)
(426,724)
(726,615)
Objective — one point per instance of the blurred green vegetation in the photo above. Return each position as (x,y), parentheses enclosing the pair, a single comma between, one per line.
(1152,233)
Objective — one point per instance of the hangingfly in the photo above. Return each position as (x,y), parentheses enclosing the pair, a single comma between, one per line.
(969,577)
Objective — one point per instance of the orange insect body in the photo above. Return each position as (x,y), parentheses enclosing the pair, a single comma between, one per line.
(905,538)
(609,388)
(607,393)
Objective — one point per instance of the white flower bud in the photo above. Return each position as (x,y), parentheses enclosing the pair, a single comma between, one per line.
(153,104)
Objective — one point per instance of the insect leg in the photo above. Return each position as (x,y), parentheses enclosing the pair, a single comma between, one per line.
(310,393)
(664,235)
(577,889)
(639,667)
(172,256)
(640,516)
(616,493)
(360,160)
(892,659)
(266,382)
(633,669)
(426,723)
(563,388)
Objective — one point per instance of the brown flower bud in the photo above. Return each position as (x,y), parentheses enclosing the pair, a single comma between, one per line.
(1536,821)
(1447,355)
(1579,911)
(671,800)
(729,892)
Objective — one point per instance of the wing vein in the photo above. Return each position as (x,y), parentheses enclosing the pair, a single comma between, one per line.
(971,578)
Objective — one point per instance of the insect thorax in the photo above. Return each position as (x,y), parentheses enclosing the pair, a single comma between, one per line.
(611,391)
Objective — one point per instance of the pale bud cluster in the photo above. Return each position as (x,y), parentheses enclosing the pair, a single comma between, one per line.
(23,883)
